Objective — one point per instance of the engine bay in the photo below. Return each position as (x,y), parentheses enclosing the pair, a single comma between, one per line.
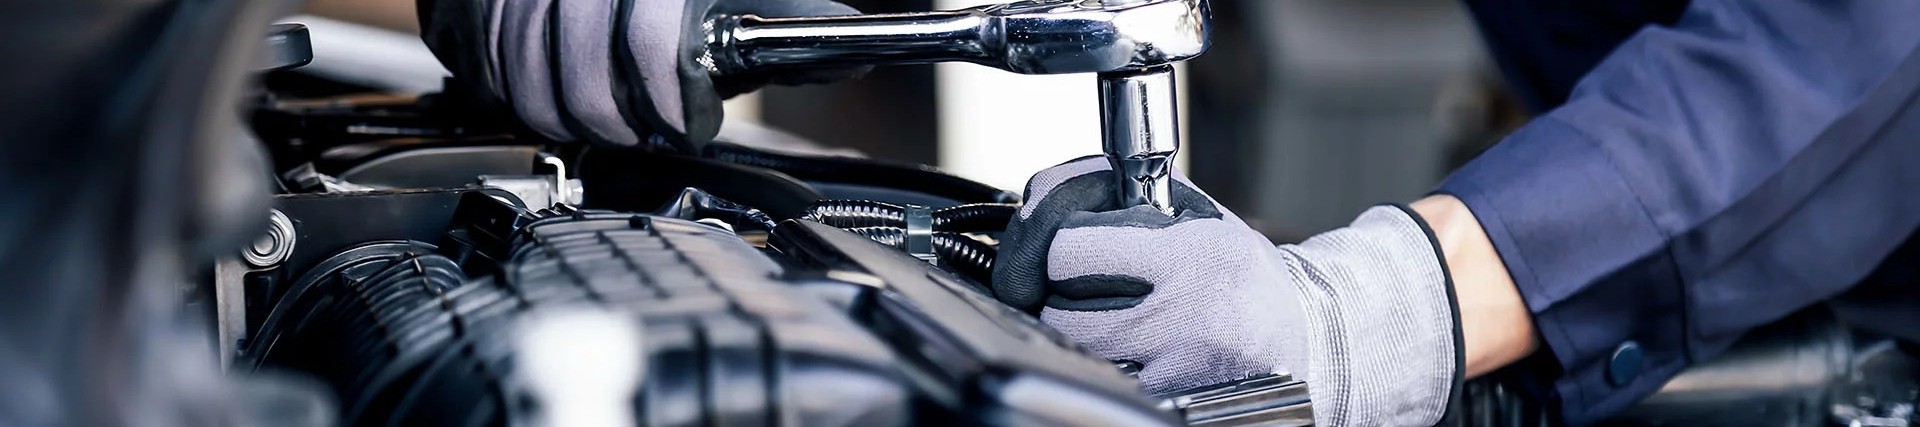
(429,262)
(410,249)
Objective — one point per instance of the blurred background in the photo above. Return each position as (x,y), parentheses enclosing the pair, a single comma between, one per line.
(1304,112)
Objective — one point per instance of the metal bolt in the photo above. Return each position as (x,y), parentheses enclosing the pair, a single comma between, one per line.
(275,246)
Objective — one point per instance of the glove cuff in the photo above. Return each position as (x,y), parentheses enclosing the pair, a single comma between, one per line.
(1456,389)
(1383,336)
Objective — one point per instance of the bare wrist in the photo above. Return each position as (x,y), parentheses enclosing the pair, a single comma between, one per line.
(1496,326)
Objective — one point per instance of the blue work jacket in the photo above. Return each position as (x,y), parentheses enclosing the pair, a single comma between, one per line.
(1696,171)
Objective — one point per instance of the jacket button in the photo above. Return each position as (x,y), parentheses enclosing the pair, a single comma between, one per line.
(1624,366)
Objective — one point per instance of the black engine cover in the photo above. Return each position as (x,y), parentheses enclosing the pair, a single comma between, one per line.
(831,330)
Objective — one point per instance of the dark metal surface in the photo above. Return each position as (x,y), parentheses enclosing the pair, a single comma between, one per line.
(288,46)
(1273,400)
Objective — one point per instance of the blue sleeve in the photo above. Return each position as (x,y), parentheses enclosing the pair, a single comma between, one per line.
(1543,47)
(1705,178)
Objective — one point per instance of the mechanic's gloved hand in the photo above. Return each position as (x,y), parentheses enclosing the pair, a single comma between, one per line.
(616,72)
(1364,314)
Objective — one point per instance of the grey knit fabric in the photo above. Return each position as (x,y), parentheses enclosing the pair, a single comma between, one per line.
(1362,313)
(1214,315)
(1379,322)
(613,72)
(584,34)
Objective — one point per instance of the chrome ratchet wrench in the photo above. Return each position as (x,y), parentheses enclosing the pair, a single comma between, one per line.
(1131,44)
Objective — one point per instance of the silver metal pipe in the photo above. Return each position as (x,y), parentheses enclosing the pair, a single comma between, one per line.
(1029,37)
(739,44)
(1140,129)
(1276,400)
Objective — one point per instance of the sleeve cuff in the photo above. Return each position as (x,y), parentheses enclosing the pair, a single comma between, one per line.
(1588,259)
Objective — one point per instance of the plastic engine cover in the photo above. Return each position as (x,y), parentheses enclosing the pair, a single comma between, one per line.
(727,342)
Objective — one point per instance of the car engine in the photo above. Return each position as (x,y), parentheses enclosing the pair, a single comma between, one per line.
(428,262)
(410,249)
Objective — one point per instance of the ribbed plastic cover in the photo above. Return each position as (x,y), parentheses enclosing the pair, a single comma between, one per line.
(726,341)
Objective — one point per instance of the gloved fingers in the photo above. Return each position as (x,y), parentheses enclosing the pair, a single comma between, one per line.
(1189,205)
(1081,185)
(493,25)
(1043,183)
(1097,292)
(1191,252)
(1046,182)
(525,61)
(1019,273)
(1178,347)
(1113,335)
(586,72)
(1168,362)
(650,47)
(783,8)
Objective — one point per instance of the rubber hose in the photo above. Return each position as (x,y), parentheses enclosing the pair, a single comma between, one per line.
(971,218)
(975,217)
(857,214)
(964,255)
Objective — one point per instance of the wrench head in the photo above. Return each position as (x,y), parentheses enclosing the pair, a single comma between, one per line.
(1091,36)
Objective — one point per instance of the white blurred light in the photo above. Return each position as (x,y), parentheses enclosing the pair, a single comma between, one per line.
(582,366)
(370,56)
(999,128)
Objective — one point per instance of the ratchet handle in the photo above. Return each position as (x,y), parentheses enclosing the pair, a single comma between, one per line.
(1027,37)
(1132,44)
(745,43)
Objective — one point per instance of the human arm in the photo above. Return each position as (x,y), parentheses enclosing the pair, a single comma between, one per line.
(1495,327)
(1705,178)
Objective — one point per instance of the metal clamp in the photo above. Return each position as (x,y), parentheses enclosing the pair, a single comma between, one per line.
(1131,43)
(920,234)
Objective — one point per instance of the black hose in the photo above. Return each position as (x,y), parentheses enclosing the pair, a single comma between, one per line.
(857,214)
(859,171)
(973,218)
(963,254)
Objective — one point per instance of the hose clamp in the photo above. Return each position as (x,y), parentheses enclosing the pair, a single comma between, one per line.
(920,233)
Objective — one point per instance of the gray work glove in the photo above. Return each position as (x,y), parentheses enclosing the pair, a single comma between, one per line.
(1364,314)
(613,72)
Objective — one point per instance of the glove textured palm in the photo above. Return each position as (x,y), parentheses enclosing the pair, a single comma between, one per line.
(1363,313)
(614,72)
